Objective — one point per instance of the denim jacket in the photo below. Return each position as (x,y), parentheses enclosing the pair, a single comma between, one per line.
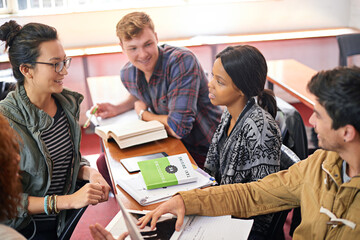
(35,164)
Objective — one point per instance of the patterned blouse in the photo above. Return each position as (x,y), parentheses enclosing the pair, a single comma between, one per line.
(250,152)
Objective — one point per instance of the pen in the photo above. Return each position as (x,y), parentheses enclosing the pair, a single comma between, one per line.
(87,123)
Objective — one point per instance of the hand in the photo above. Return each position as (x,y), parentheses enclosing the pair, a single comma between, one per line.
(90,193)
(139,105)
(96,177)
(175,206)
(98,232)
(106,110)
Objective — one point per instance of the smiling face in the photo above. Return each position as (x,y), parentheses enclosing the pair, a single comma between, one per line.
(329,138)
(222,90)
(142,51)
(43,78)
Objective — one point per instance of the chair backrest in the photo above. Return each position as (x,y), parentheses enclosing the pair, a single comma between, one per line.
(292,128)
(287,158)
(71,222)
(349,45)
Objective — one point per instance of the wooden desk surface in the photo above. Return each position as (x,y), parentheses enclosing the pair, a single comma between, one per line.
(293,77)
(170,145)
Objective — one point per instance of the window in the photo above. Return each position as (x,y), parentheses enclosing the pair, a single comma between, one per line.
(59,6)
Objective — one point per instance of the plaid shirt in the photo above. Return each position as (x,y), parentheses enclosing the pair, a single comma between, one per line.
(177,88)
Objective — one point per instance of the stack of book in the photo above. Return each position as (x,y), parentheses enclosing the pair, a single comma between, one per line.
(157,180)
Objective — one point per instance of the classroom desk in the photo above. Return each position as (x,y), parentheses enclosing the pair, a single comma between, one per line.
(293,77)
(170,145)
(103,213)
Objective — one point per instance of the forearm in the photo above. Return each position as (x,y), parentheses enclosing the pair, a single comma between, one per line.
(36,204)
(148,116)
(126,105)
(244,200)
(85,172)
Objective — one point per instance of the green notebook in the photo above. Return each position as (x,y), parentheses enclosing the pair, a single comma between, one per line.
(167,171)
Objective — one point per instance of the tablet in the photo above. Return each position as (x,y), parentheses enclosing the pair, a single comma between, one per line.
(131,165)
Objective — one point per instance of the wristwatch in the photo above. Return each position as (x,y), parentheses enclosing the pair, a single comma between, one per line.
(141,113)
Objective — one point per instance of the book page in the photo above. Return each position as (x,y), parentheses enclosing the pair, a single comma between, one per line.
(124,118)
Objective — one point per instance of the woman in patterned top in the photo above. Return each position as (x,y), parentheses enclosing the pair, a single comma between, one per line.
(45,116)
(246,145)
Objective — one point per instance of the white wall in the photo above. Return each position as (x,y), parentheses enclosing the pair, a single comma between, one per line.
(98,28)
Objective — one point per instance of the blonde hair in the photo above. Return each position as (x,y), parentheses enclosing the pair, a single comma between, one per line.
(132,24)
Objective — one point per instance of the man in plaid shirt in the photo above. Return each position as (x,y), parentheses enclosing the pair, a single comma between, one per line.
(167,84)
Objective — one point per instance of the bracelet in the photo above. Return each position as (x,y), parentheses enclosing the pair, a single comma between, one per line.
(51,200)
(46,204)
(141,114)
(55,207)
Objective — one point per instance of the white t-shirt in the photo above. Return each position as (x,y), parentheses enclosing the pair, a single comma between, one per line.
(8,233)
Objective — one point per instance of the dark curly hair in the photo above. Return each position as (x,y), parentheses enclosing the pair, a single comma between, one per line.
(338,91)
(23,43)
(10,185)
(248,70)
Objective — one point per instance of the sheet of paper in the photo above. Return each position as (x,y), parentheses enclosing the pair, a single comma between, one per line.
(135,186)
(123,118)
(222,227)
(196,227)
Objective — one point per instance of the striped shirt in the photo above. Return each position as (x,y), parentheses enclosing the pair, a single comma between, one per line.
(177,88)
(57,140)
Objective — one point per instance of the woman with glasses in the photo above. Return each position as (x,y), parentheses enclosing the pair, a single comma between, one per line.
(45,115)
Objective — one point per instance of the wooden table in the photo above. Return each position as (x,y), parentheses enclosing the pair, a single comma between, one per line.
(113,153)
(103,213)
(293,77)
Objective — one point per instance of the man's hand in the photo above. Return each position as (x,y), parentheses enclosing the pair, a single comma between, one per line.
(98,232)
(106,110)
(175,206)
(139,105)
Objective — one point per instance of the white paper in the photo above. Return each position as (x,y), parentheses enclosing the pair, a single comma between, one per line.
(195,227)
(222,227)
(134,185)
(123,118)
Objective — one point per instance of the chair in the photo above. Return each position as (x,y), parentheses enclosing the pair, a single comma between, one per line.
(73,216)
(349,45)
(294,137)
(287,159)
(7,82)
(292,128)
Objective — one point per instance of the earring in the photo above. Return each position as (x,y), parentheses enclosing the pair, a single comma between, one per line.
(344,140)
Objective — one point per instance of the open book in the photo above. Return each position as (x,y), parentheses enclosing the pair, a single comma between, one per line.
(132,133)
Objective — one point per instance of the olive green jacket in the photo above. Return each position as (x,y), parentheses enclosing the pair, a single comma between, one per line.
(315,184)
(36,165)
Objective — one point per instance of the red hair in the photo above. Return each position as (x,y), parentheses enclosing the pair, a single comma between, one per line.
(10,185)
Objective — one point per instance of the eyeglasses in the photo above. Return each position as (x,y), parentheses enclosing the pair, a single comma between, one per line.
(59,66)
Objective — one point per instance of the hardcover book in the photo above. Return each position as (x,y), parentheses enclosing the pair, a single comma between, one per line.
(167,171)
(132,133)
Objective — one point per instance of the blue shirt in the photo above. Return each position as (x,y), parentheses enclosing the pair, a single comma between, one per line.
(177,88)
